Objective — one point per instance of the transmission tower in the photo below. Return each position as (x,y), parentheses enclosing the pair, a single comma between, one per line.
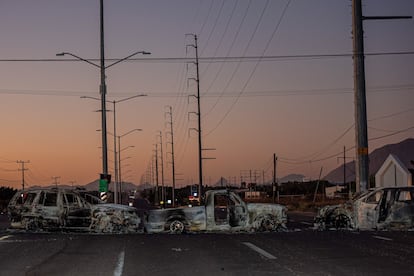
(22,170)
(200,156)
(171,132)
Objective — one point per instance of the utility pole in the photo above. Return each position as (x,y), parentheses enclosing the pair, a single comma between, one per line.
(361,133)
(22,170)
(274,184)
(345,168)
(200,157)
(162,172)
(156,175)
(72,182)
(344,180)
(56,182)
(170,122)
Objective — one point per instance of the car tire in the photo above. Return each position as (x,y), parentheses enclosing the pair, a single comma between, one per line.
(32,225)
(176,227)
(342,222)
(266,223)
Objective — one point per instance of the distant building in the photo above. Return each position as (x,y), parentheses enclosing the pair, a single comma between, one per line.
(254,195)
(331,192)
(393,173)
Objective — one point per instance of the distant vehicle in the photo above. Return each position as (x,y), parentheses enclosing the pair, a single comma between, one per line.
(61,209)
(380,208)
(224,211)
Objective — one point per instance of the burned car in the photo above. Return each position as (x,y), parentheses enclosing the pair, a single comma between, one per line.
(224,210)
(62,209)
(379,208)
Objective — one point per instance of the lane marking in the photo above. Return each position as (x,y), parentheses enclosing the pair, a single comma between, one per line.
(5,237)
(260,251)
(382,238)
(120,264)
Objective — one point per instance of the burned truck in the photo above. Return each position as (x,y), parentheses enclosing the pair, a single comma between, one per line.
(375,209)
(224,210)
(51,209)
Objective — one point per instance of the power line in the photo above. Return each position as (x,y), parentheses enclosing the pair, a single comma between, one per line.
(206,19)
(218,72)
(238,65)
(7,180)
(219,44)
(257,63)
(348,148)
(217,59)
(320,152)
(214,27)
(391,134)
(264,93)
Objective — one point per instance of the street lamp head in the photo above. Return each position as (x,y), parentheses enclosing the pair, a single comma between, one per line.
(89,97)
(60,54)
(146,53)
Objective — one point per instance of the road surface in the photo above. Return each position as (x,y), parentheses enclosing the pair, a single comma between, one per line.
(300,251)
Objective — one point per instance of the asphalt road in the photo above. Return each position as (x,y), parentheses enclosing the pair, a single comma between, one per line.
(300,251)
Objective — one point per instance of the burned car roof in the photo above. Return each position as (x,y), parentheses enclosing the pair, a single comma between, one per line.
(45,209)
(378,208)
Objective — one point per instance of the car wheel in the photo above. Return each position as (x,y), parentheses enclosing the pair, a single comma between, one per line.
(342,222)
(266,223)
(176,227)
(32,224)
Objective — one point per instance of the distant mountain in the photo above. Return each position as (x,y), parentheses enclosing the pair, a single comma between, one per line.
(292,178)
(403,150)
(126,186)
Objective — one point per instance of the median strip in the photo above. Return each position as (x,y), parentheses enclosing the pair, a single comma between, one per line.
(120,265)
(382,238)
(260,251)
(5,237)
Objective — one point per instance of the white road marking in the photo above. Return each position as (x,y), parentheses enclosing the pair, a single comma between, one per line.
(120,265)
(260,251)
(382,238)
(5,237)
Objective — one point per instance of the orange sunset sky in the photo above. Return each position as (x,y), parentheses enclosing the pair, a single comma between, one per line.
(296,101)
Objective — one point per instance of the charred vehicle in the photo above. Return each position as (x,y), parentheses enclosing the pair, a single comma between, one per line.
(380,208)
(61,209)
(224,210)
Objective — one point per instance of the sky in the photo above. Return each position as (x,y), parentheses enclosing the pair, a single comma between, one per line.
(293,97)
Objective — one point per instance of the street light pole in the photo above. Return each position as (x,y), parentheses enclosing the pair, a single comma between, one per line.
(104,178)
(119,160)
(114,135)
(117,180)
(102,90)
(115,160)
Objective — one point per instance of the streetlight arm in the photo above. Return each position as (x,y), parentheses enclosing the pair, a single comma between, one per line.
(88,97)
(126,148)
(77,57)
(126,99)
(119,101)
(125,58)
(136,129)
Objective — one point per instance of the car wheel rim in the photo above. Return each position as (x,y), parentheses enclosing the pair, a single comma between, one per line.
(176,227)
